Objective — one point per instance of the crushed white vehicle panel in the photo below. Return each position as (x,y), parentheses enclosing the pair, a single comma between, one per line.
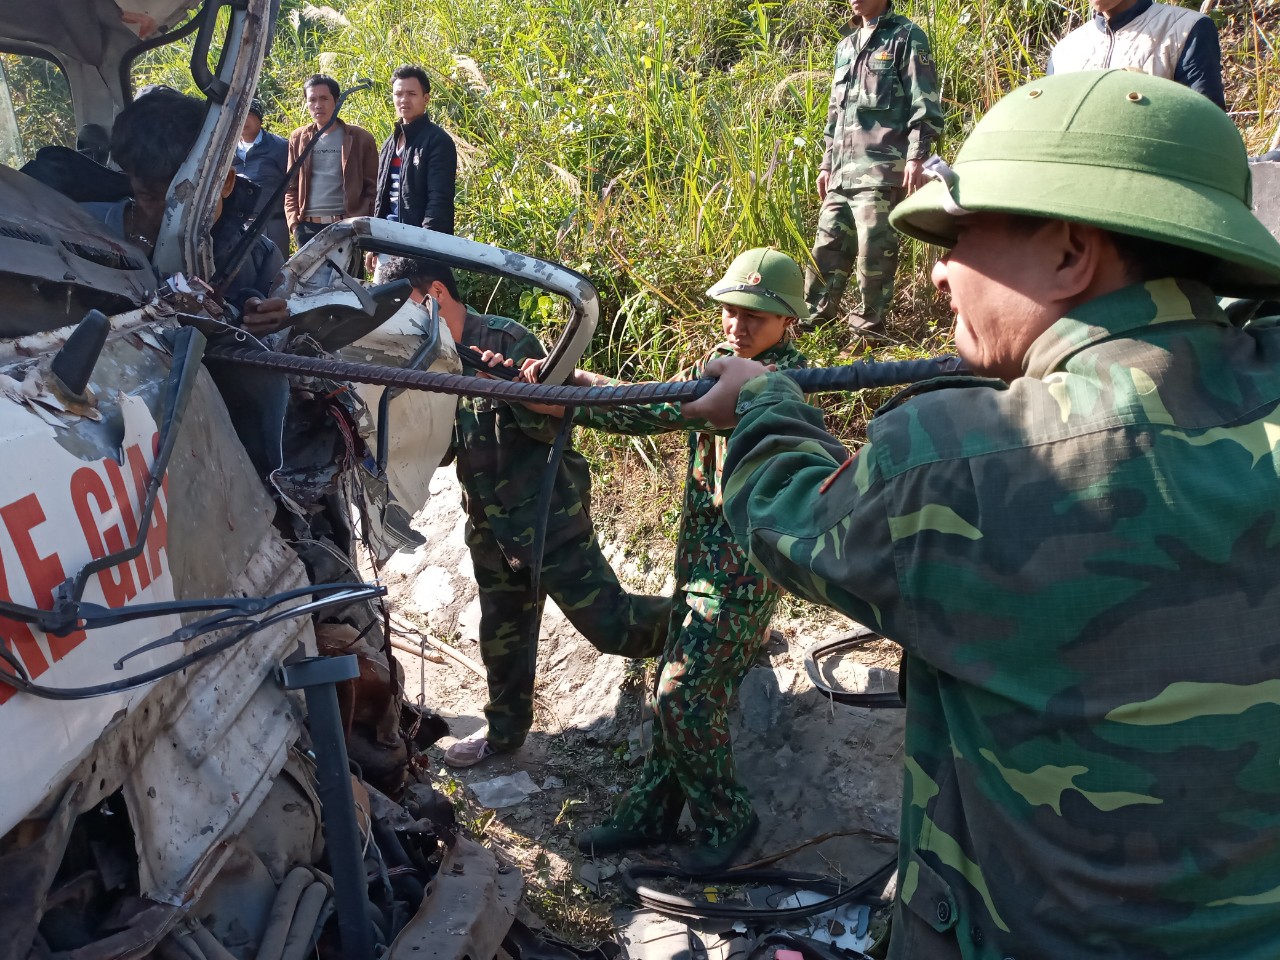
(420,424)
(58,512)
(226,736)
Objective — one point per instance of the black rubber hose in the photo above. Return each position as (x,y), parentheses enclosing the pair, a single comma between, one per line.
(843,644)
(854,376)
(542,513)
(676,906)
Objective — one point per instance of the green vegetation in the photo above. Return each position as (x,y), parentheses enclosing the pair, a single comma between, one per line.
(645,143)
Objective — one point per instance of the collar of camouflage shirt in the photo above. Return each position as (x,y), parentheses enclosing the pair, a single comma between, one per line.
(1125,311)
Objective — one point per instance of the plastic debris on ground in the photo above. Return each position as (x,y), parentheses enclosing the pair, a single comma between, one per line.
(505,791)
(648,935)
(847,926)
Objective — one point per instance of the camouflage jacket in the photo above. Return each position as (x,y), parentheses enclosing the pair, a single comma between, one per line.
(709,561)
(1082,570)
(885,108)
(502,452)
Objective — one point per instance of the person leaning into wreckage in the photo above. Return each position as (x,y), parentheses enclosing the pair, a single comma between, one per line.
(722,604)
(501,451)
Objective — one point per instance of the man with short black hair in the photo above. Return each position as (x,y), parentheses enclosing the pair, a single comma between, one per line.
(150,140)
(338,178)
(262,158)
(1076,546)
(418,165)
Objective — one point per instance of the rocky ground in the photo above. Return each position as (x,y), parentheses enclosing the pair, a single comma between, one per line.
(814,769)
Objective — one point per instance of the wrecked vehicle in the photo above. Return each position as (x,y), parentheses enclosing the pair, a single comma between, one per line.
(206,750)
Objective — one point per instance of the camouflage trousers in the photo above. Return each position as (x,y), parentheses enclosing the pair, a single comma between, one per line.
(711,645)
(853,230)
(580,580)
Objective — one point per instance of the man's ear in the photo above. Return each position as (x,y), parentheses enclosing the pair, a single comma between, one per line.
(229,184)
(1080,254)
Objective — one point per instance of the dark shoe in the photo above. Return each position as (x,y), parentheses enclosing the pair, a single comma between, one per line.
(609,838)
(713,858)
(397,525)
(867,326)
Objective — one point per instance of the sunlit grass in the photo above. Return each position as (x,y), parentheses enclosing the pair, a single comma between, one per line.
(645,143)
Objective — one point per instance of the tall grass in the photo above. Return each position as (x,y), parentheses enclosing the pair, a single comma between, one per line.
(644,143)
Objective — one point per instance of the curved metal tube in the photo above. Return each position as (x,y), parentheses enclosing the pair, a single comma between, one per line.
(301,273)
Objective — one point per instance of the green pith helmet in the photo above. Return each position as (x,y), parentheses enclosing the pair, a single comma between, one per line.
(1122,151)
(763,279)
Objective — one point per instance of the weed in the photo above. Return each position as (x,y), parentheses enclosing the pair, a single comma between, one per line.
(565,815)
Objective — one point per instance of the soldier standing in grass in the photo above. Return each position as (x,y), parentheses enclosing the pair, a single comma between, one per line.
(884,118)
(723,604)
(1076,548)
(501,451)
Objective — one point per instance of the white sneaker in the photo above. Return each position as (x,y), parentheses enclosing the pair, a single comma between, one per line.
(469,751)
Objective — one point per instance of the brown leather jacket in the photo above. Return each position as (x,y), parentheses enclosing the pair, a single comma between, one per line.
(359,172)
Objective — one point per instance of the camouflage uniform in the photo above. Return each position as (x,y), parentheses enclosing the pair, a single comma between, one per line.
(884,111)
(719,623)
(1081,568)
(502,455)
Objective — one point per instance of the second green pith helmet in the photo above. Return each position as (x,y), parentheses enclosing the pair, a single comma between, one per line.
(763,279)
(1122,151)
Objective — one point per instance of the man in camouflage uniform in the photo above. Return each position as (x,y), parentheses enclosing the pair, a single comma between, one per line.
(884,117)
(1077,555)
(723,604)
(502,454)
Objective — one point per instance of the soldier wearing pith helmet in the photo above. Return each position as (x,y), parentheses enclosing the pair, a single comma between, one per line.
(1076,547)
(723,603)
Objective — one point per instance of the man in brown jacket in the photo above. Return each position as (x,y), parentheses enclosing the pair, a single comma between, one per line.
(339,178)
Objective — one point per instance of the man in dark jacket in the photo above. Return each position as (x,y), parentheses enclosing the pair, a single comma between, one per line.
(418,165)
(262,158)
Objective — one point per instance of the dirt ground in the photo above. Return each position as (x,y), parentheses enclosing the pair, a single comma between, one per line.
(813,768)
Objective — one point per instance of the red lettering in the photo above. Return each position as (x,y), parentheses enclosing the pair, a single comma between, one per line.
(120,490)
(158,533)
(117,583)
(21,641)
(44,573)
